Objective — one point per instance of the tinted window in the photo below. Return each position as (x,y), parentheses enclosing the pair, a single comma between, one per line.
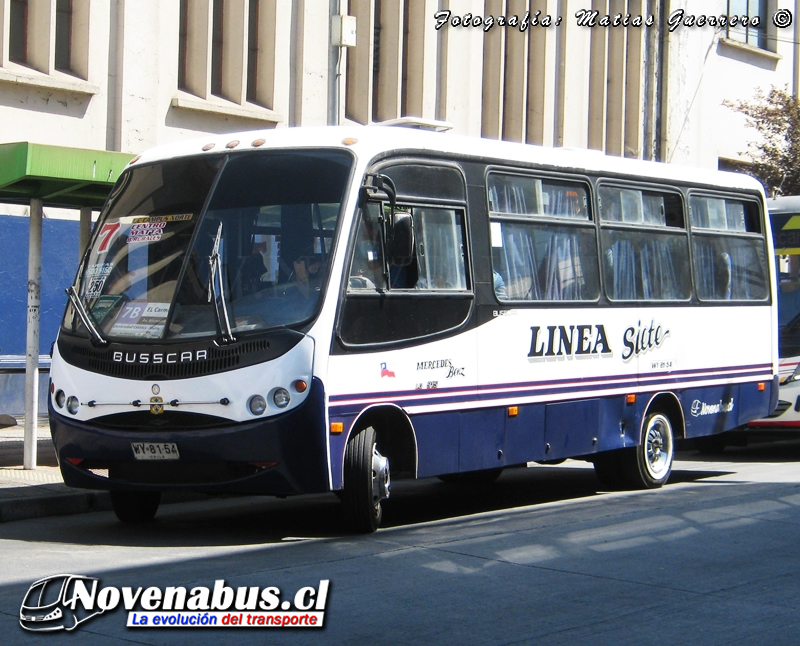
(728,268)
(268,229)
(649,260)
(540,261)
(724,214)
(645,265)
(536,256)
(439,262)
(730,260)
(423,180)
(428,296)
(525,195)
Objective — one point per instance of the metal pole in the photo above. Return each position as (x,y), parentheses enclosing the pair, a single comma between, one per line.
(32,345)
(85,230)
(333,71)
(796,52)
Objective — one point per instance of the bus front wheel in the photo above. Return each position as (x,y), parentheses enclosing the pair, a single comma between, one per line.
(648,465)
(135,506)
(366,482)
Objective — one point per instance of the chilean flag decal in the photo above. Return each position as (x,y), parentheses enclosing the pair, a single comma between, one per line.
(385,372)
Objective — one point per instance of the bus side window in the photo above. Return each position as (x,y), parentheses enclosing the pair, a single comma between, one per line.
(543,240)
(431,295)
(439,240)
(645,261)
(728,248)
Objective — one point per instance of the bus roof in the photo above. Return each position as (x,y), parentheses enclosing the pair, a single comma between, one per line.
(788,204)
(368,141)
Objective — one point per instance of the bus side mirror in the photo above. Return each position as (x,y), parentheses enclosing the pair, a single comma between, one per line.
(377,189)
(401,242)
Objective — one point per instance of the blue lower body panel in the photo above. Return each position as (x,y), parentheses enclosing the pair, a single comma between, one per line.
(281,455)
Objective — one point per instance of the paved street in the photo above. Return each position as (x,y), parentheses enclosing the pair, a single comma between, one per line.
(541,557)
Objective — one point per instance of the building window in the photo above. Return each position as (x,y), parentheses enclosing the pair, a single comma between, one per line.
(216,46)
(232,51)
(755,35)
(18,41)
(183,44)
(252,51)
(63,61)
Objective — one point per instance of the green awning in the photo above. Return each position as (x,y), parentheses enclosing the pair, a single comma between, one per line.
(59,176)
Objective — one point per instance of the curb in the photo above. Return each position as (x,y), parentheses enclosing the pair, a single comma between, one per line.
(59,504)
(60,500)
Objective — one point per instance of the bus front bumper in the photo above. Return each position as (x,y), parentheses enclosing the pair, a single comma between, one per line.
(281,455)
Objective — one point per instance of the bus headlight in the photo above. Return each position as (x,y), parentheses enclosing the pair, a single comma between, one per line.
(257,404)
(60,398)
(795,376)
(281,397)
(73,404)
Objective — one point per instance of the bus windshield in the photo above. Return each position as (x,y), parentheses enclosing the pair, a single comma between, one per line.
(212,246)
(786,234)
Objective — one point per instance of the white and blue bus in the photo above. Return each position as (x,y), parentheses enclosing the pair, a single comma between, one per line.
(785,222)
(315,310)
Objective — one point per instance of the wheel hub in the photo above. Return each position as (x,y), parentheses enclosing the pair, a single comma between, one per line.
(380,477)
(657,450)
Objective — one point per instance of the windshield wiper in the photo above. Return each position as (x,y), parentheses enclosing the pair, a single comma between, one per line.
(217,293)
(85,317)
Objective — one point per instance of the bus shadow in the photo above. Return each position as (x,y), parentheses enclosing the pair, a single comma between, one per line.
(233,521)
(748,447)
(431,500)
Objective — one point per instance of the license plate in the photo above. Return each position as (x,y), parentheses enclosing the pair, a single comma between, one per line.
(155,451)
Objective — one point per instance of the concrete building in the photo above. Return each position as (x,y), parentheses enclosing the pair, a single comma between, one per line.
(639,78)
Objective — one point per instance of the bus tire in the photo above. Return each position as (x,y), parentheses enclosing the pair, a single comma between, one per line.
(135,506)
(366,482)
(649,464)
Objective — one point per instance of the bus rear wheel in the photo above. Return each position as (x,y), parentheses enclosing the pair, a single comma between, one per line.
(648,465)
(135,506)
(366,482)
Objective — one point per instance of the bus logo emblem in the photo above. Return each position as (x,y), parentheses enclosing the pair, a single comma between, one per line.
(156,405)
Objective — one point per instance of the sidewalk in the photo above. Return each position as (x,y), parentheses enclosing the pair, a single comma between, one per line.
(39,492)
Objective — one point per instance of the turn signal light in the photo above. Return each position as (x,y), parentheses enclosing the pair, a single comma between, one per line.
(337,428)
